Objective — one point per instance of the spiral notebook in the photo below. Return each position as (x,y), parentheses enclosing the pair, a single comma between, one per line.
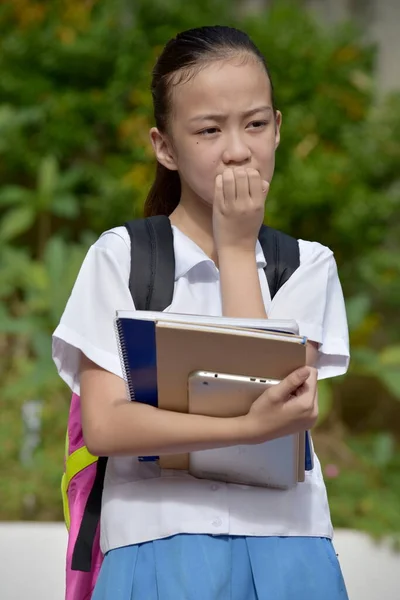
(160,350)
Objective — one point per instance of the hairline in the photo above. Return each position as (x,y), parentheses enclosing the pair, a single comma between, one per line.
(222,55)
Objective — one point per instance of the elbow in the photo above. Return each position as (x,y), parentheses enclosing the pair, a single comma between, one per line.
(107,433)
(96,449)
(95,440)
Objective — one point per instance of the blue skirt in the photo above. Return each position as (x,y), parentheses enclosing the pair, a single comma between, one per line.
(205,567)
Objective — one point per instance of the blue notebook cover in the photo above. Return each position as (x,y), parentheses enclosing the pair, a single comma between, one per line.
(137,341)
(137,344)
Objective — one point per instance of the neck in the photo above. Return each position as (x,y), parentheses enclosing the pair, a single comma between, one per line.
(194,218)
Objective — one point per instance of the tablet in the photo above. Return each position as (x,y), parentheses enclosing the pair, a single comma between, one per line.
(271,464)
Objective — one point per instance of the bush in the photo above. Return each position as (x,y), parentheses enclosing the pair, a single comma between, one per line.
(75,160)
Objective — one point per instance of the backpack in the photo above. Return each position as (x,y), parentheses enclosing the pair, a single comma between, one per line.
(151,284)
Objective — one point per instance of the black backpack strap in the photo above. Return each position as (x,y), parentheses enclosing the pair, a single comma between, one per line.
(152,275)
(282,254)
(82,555)
(151,282)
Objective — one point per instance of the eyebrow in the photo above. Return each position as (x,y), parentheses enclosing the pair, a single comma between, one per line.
(222,117)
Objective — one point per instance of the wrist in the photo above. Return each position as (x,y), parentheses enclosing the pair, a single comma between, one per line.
(246,433)
(242,254)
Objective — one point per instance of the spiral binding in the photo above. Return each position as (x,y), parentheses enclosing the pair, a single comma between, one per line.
(123,355)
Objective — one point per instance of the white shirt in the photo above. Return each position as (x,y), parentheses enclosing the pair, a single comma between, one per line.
(142,502)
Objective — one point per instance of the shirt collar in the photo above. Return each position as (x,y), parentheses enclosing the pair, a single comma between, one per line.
(188,254)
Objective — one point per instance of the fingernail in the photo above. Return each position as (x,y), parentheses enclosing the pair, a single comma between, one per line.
(265,186)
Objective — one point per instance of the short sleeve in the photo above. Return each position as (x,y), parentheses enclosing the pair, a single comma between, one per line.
(87,324)
(313,297)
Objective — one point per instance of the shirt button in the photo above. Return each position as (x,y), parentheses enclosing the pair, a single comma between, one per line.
(215,487)
(217,522)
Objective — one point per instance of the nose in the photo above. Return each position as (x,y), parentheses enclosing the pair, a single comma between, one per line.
(236,151)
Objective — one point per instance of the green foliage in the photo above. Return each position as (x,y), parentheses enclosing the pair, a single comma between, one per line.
(364,495)
(75,160)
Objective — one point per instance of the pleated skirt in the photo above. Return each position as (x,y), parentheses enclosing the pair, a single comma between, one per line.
(205,567)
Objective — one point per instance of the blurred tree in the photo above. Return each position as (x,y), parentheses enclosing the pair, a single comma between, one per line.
(75,160)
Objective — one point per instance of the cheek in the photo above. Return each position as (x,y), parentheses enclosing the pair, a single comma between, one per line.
(199,162)
(198,167)
(265,153)
(269,166)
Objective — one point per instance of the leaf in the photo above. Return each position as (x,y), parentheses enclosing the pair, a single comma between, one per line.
(47,182)
(66,206)
(325,400)
(365,361)
(390,356)
(7,114)
(10,325)
(383,449)
(14,263)
(65,259)
(391,379)
(16,221)
(357,309)
(41,344)
(54,256)
(14,194)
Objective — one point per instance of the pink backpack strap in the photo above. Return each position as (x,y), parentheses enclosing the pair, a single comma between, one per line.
(83,549)
(81,469)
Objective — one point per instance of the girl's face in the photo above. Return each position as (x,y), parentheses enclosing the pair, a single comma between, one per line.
(221,118)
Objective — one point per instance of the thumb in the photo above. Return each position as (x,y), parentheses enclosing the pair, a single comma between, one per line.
(289,385)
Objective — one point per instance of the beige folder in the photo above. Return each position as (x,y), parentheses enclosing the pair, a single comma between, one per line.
(183,349)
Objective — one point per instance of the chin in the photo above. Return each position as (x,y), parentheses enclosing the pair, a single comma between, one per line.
(204,199)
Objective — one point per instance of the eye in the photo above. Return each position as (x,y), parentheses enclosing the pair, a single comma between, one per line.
(257,124)
(208,131)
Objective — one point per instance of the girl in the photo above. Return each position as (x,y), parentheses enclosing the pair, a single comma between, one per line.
(167,535)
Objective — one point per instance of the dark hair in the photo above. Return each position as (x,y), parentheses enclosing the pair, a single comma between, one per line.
(180,60)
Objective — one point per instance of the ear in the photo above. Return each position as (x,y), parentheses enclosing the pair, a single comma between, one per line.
(278,123)
(163,149)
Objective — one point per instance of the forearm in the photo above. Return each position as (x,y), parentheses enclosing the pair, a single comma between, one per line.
(240,285)
(136,429)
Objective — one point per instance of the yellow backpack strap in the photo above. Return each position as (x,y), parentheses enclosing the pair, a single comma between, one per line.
(74,464)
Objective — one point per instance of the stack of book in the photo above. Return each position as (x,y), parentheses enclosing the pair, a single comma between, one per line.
(161,353)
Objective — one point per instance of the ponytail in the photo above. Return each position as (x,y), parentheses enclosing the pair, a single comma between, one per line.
(164,194)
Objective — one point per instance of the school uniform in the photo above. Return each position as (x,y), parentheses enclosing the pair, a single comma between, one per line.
(165,534)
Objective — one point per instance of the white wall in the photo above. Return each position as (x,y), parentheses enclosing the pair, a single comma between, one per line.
(32,563)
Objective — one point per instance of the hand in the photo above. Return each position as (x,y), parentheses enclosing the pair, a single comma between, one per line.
(288,407)
(238,209)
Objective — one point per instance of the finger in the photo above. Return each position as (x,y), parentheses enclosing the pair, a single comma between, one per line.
(265,187)
(255,184)
(289,385)
(229,184)
(242,185)
(219,193)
